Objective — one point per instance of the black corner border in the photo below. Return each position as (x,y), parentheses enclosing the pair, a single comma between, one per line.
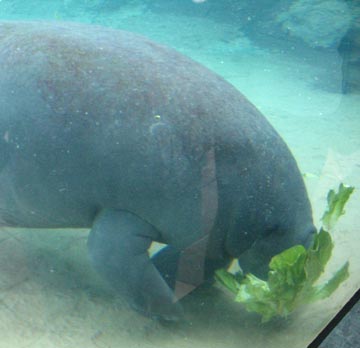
(335,321)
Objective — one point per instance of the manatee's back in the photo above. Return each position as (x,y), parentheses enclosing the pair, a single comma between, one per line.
(93,117)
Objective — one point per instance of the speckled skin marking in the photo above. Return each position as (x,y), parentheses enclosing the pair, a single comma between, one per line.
(108,130)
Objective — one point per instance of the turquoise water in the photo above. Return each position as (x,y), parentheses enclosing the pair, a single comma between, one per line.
(284,58)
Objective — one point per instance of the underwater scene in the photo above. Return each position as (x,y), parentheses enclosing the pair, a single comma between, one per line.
(178,173)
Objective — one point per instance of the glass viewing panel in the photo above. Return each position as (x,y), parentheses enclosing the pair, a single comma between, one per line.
(177,173)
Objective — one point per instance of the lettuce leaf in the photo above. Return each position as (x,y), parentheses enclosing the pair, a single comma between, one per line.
(293,272)
(325,290)
(336,203)
(318,255)
(229,280)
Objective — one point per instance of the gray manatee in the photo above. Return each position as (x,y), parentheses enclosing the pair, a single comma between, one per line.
(107,130)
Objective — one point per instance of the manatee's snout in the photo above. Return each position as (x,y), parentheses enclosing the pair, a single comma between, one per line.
(257,258)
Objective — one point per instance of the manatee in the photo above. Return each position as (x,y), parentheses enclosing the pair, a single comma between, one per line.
(107,130)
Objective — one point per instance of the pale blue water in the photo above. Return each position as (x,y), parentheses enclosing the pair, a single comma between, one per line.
(284,57)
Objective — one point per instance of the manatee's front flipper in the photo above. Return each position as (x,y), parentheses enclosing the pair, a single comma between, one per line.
(190,266)
(166,261)
(118,244)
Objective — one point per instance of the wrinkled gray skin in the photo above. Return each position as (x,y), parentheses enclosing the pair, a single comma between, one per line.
(107,130)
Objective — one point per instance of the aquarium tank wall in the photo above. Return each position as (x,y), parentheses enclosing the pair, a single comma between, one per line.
(180,173)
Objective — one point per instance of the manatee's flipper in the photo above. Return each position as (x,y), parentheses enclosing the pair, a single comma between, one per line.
(118,244)
(166,261)
(169,260)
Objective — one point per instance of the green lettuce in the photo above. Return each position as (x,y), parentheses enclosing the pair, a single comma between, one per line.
(293,272)
(336,203)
